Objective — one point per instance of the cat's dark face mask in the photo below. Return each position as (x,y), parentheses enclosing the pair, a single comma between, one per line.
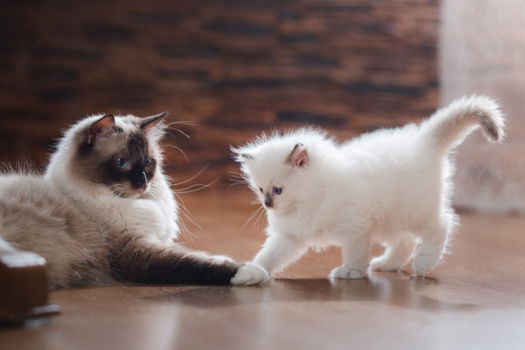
(120,157)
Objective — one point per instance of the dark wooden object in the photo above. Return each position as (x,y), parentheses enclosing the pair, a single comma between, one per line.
(23,287)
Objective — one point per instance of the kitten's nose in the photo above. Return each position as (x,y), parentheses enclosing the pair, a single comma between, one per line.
(268,201)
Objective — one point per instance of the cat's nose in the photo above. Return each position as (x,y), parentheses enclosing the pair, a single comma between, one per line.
(139,179)
(268,201)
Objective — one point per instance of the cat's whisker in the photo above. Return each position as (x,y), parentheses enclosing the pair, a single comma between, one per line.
(191,178)
(182,122)
(178,149)
(193,190)
(195,187)
(185,213)
(179,131)
(184,229)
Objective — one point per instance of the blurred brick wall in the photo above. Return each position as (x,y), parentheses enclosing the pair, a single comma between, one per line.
(234,68)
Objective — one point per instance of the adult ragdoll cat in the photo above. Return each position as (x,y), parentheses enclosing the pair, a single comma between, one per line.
(391,186)
(103,211)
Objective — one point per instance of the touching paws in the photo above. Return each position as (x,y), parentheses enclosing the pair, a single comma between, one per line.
(249,274)
(347,273)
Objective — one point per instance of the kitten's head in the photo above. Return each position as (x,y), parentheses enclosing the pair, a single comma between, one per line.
(119,152)
(277,168)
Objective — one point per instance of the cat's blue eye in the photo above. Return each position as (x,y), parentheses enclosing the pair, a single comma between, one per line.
(277,190)
(121,162)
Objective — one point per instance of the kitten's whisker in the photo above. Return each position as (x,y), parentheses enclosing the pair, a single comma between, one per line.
(236,183)
(251,217)
(236,173)
(237,179)
(261,214)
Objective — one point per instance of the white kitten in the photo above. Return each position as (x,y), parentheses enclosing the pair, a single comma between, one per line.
(390,186)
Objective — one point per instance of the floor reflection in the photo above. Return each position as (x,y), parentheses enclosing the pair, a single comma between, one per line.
(396,289)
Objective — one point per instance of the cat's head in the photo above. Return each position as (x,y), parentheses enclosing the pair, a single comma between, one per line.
(277,168)
(119,152)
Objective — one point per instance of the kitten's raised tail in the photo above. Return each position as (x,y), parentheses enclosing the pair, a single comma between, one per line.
(448,127)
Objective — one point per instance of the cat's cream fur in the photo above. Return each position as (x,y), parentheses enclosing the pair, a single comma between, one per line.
(391,186)
(91,230)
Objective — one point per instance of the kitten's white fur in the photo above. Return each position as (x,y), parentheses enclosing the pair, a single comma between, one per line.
(392,186)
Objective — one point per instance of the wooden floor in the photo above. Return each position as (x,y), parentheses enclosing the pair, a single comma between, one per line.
(476,299)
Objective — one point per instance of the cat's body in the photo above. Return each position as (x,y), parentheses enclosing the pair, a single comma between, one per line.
(391,187)
(104,211)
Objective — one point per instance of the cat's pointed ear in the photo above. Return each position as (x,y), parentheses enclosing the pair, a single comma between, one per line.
(151,122)
(298,157)
(100,126)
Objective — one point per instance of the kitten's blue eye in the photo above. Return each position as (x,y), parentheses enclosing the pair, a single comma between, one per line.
(121,162)
(277,190)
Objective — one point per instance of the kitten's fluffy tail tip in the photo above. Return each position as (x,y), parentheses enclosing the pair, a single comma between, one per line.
(491,118)
(450,125)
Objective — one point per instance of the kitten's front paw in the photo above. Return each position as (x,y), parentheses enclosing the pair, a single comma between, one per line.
(347,273)
(248,274)
(380,264)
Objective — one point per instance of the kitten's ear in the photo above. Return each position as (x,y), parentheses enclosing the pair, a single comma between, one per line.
(298,157)
(149,123)
(104,124)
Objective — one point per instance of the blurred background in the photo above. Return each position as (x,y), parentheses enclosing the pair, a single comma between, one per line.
(231,68)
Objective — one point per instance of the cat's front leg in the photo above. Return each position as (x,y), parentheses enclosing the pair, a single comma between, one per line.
(355,258)
(136,258)
(279,251)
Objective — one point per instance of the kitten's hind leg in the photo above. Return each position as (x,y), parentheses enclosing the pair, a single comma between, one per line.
(432,247)
(395,256)
(355,258)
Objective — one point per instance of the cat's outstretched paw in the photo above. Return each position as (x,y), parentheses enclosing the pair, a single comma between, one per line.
(250,273)
(347,273)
